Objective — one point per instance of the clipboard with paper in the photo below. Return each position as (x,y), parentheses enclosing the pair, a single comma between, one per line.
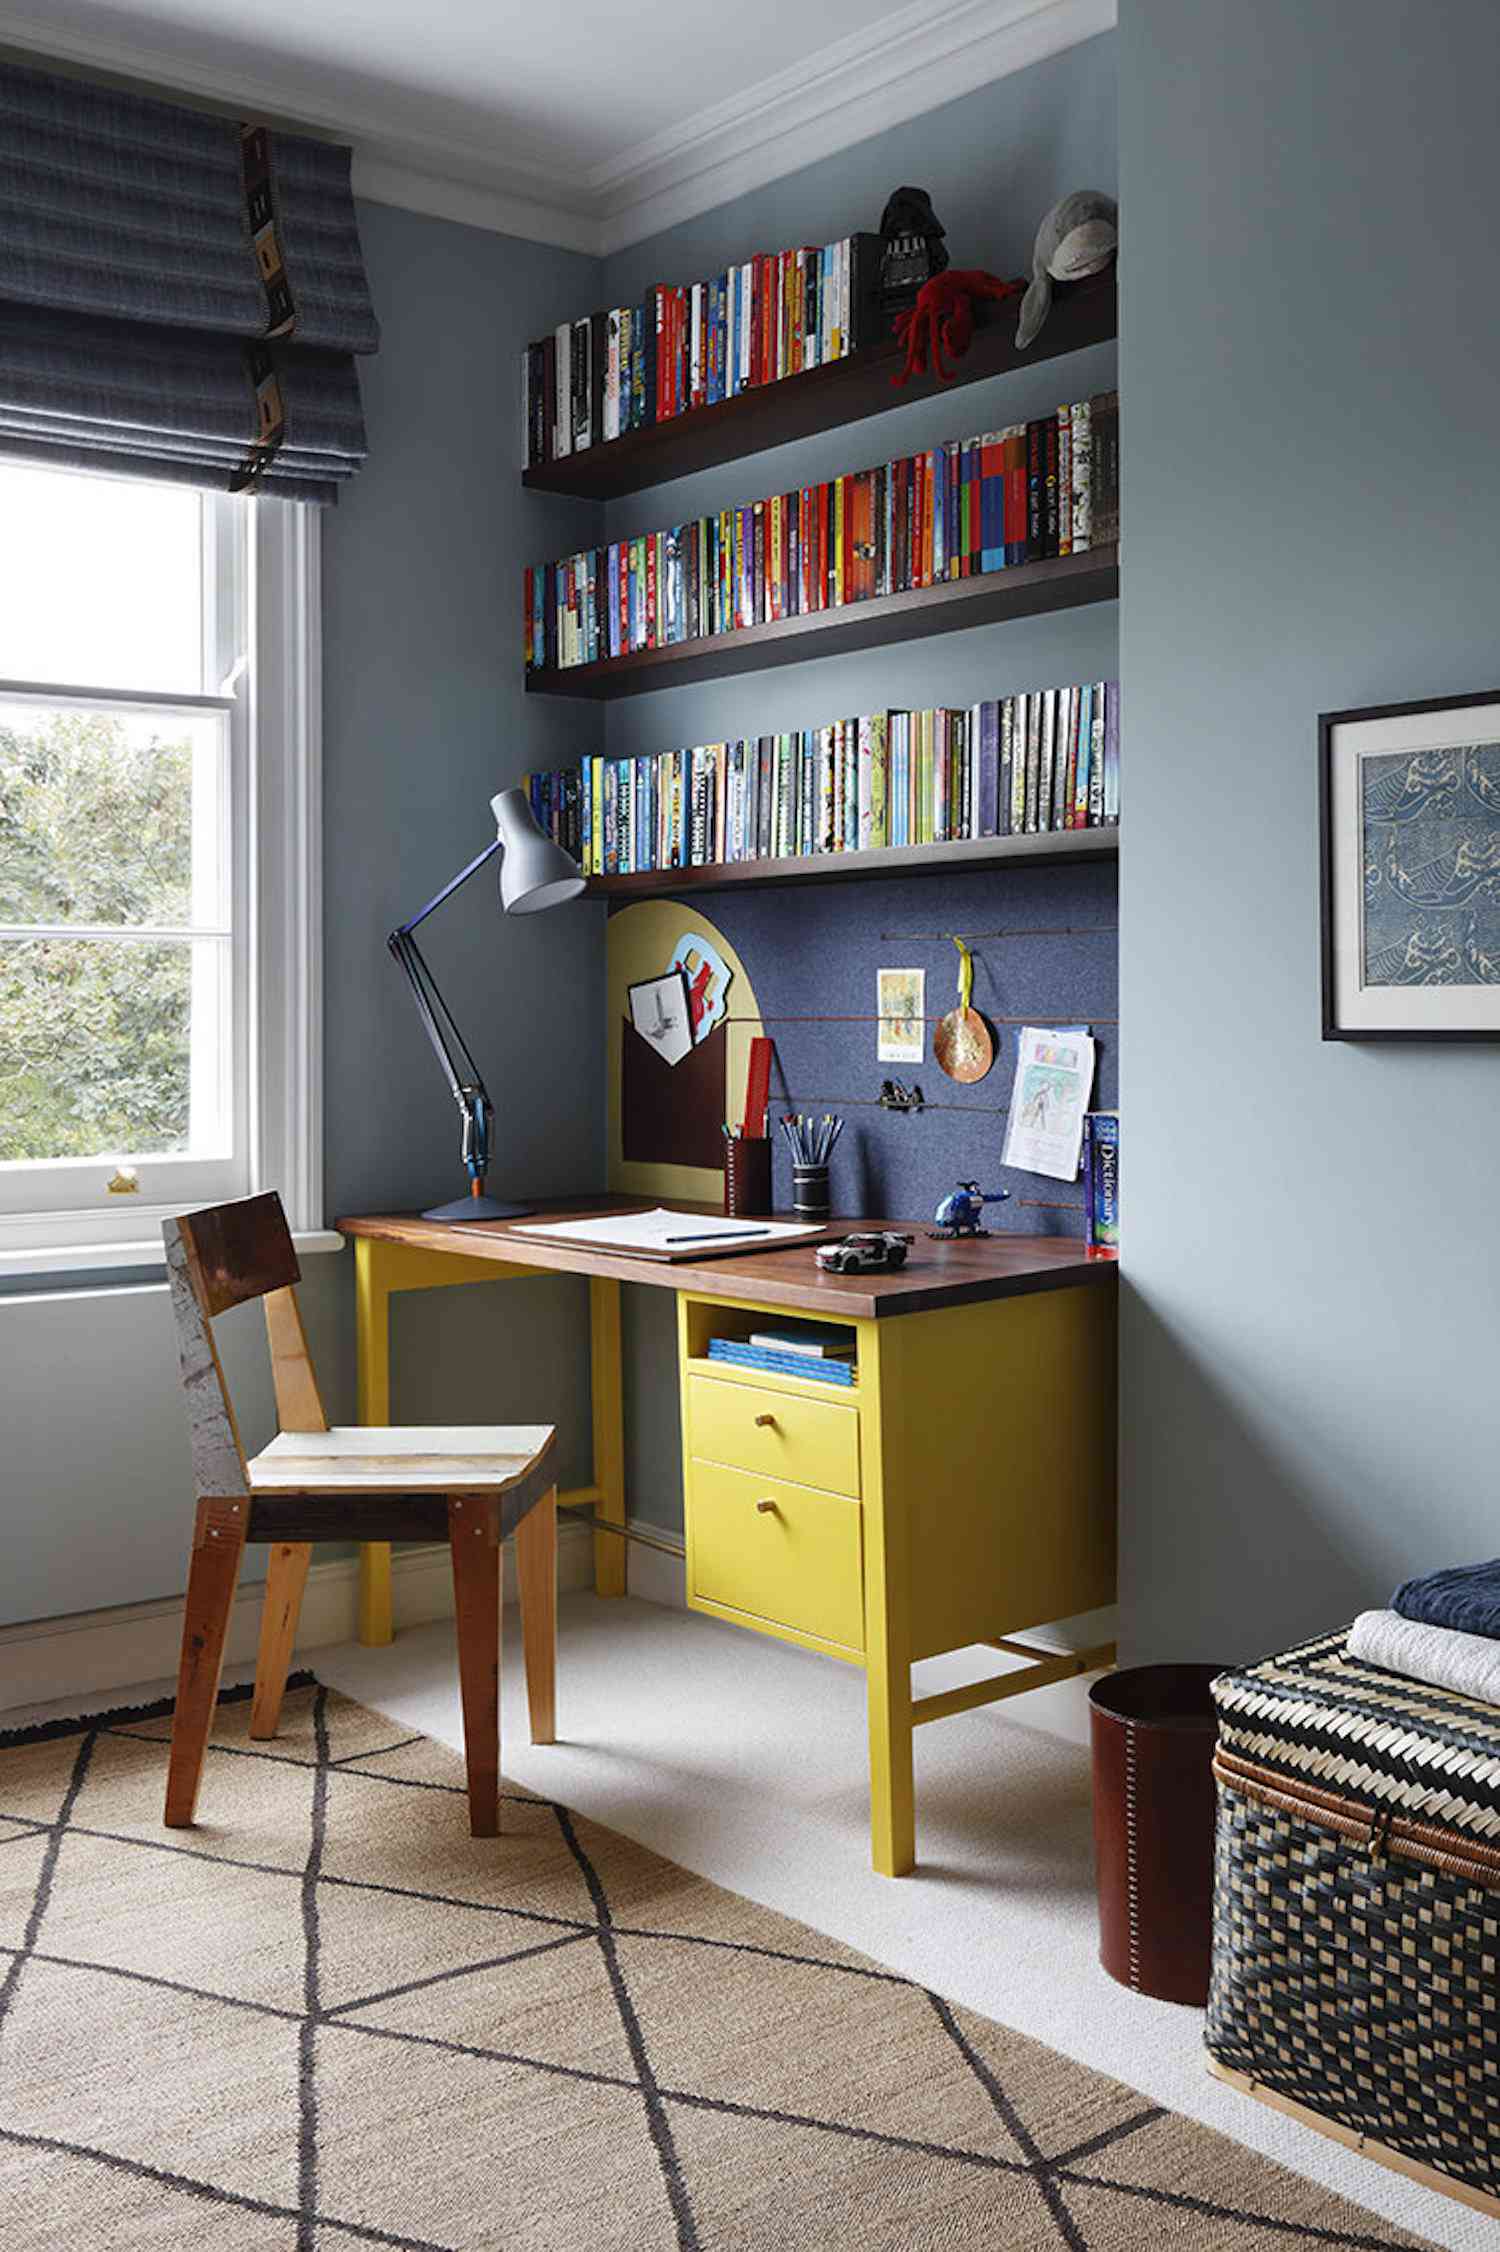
(1053,1083)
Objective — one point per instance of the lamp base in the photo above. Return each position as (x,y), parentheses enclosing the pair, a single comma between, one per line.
(478,1208)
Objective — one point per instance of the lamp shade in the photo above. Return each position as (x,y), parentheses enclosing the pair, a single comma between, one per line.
(534,872)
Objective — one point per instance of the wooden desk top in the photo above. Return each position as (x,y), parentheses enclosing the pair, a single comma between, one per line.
(936,1274)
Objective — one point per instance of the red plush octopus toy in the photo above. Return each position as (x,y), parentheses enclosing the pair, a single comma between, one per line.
(942,320)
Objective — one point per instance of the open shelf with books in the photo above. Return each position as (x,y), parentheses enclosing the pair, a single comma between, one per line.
(1025,590)
(1028,777)
(821,398)
(844,867)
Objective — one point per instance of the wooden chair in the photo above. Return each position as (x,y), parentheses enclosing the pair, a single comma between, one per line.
(473,1484)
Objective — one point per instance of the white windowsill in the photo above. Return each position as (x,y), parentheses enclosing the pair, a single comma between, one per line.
(92,1258)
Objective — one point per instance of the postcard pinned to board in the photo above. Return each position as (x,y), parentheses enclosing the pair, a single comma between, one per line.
(1054,1080)
(901,1003)
(659,1010)
(709,978)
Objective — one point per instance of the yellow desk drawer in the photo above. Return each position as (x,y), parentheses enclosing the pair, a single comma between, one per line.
(777,1434)
(797,1563)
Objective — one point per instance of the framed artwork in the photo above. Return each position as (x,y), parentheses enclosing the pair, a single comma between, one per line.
(1410,818)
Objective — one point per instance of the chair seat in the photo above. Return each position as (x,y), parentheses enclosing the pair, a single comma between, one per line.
(406,1458)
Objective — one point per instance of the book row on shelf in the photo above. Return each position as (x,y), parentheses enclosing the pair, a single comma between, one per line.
(694,345)
(1024,494)
(1012,766)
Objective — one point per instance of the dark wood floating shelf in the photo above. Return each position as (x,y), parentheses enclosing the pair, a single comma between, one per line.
(820,399)
(846,867)
(1027,590)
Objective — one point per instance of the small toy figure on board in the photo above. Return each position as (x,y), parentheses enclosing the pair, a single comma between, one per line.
(961,1211)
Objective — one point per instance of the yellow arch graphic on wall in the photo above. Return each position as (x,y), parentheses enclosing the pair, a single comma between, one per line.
(639,944)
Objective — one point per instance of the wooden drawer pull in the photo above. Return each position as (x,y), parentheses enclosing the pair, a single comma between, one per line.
(764,1506)
(765,1423)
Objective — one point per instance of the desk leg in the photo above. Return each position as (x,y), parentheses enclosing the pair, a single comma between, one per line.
(893,1829)
(609,1434)
(372,1313)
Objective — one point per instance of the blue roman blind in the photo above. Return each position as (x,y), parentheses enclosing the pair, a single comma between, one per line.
(181,295)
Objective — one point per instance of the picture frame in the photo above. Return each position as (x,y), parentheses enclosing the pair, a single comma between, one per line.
(1409,849)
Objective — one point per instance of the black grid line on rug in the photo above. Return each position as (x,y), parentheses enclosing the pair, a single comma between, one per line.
(1049,2173)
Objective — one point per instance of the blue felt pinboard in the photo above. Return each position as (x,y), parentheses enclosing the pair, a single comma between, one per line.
(1045,948)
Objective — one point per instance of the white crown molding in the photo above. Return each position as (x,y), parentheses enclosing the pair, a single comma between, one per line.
(923,55)
(928,53)
(384,176)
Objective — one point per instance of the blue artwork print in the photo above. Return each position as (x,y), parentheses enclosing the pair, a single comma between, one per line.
(1430,859)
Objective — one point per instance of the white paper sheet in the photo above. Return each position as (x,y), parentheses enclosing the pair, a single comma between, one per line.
(1054,1079)
(665,1234)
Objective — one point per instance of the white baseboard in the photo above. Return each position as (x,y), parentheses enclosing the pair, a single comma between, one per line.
(654,1576)
(88,1651)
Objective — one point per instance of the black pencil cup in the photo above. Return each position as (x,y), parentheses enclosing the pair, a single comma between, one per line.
(810,1192)
(747,1176)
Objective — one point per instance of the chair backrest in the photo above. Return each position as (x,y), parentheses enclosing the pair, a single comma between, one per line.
(223,1257)
(238,1251)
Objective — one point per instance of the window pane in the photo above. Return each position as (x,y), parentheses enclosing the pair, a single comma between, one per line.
(96,1047)
(100,581)
(110,817)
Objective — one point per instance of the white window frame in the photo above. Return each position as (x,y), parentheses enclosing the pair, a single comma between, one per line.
(275,708)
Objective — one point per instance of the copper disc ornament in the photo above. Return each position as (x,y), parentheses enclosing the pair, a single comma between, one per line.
(963,1043)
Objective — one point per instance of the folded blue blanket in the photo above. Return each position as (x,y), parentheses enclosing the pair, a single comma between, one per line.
(1465,1597)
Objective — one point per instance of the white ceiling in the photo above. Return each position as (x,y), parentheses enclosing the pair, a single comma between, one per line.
(573,121)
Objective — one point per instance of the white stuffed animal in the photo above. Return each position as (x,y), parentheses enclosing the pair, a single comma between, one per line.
(1079,236)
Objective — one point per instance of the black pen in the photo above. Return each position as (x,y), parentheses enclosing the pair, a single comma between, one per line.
(715,1235)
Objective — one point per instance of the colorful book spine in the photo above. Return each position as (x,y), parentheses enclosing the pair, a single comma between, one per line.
(1101,1183)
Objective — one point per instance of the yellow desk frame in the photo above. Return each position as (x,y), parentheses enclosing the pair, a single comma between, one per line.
(962,1493)
(380,1270)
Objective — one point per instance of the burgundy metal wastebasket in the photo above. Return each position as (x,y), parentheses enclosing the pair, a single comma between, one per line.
(1153,1730)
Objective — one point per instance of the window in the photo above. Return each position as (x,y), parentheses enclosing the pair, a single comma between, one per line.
(158,838)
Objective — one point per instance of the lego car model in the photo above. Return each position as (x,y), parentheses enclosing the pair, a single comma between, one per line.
(868,1254)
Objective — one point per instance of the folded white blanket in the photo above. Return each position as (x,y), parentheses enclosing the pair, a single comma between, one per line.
(1438,1655)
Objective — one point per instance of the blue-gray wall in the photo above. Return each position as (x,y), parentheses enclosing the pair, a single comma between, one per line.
(993,162)
(1309,356)
(424,718)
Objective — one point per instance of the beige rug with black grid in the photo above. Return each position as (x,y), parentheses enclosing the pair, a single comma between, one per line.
(328,2017)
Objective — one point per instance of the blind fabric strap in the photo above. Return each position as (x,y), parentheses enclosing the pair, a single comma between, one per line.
(281,311)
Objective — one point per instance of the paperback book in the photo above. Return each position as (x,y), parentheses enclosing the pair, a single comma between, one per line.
(1101,1183)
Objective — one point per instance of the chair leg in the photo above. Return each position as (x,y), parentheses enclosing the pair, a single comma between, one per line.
(218,1543)
(536,1570)
(473,1537)
(280,1611)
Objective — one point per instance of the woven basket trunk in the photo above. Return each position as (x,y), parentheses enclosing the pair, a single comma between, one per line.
(1356,1937)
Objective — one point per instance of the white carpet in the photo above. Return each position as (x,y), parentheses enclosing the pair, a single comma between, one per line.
(744,1759)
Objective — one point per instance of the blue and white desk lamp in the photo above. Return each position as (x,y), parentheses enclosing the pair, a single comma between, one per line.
(534,873)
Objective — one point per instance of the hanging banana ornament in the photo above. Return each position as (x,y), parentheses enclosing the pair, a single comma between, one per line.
(963,1043)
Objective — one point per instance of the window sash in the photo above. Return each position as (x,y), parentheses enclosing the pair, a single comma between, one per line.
(219,1045)
(277,698)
